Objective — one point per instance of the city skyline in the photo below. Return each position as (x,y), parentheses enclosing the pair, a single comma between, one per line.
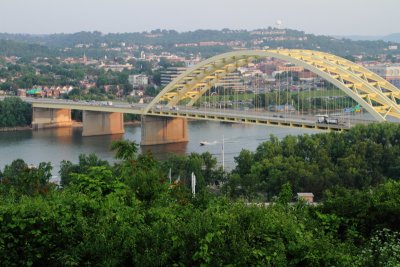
(369,18)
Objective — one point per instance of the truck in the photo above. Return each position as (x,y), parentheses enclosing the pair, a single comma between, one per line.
(326,120)
(332,121)
(109,103)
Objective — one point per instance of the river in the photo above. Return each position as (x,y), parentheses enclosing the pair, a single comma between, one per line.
(55,145)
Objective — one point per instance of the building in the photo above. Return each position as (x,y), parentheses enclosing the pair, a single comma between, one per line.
(390,73)
(170,74)
(307,75)
(21,92)
(116,67)
(139,80)
(307,197)
(232,81)
(211,43)
(292,68)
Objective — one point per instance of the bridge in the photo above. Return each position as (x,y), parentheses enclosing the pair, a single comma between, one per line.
(196,94)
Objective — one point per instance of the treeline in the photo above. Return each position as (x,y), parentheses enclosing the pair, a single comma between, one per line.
(26,76)
(168,38)
(130,214)
(362,157)
(15,112)
(20,49)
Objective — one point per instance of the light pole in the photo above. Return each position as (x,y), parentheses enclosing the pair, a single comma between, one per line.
(223,153)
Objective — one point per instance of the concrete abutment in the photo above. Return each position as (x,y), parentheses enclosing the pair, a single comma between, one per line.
(102,123)
(50,118)
(163,130)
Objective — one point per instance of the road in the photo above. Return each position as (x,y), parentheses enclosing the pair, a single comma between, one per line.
(204,113)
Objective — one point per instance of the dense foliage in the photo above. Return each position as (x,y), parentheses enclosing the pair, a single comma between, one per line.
(12,48)
(15,112)
(130,214)
(362,157)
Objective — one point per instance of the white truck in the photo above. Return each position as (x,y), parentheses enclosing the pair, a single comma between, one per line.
(326,120)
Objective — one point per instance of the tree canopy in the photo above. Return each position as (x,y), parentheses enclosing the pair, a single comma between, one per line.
(140,212)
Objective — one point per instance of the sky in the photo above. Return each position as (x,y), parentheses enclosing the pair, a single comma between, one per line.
(329,17)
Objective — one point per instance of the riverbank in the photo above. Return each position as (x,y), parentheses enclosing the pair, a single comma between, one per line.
(134,123)
(14,129)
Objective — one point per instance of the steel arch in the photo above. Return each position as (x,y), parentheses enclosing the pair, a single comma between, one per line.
(376,95)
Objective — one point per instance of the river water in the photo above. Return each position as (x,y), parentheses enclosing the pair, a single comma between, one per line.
(55,145)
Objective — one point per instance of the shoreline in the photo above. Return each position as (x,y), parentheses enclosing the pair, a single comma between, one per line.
(75,124)
(15,129)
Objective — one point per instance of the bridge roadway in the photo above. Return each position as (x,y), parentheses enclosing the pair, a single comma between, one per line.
(212,114)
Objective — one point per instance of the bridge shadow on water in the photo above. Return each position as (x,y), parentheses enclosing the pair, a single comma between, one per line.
(163,152)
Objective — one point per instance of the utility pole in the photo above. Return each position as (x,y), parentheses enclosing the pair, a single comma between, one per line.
(193,184)
(223,154)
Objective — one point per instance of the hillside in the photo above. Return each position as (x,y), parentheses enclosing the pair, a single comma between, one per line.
(95,44)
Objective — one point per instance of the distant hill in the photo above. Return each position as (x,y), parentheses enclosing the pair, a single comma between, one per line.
(394,37)
(97,45)
(360,37)
(13,48)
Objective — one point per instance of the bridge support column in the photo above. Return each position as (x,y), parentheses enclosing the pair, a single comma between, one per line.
(51,118)
(163,130)
(102,123)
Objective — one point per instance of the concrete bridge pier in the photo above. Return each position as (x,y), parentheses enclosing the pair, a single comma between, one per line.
(163,130)
(102,123)
(50,118)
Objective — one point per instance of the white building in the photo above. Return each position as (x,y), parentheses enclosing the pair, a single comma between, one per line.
(389,72)
(138,80)
(170,74)
(232,81)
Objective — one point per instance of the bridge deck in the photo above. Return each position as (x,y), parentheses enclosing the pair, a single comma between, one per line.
(222,115)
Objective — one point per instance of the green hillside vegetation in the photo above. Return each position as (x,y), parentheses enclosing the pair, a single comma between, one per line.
(15,112)
(53,44)
(357,159)
(13,48)
(128,214)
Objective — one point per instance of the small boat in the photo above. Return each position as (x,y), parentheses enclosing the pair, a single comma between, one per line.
(203,143)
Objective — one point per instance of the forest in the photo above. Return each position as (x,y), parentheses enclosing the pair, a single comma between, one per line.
(14,112)
(133,213)
(30,46)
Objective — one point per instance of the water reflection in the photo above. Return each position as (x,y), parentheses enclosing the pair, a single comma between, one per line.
(55,145)
(162,152)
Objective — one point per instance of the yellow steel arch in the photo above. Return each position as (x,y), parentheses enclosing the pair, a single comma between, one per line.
(376,95)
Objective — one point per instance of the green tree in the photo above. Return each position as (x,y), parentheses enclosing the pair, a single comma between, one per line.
(98,181)
(67,168)
(15,112)
(22,179)
(285,195)
(125,150)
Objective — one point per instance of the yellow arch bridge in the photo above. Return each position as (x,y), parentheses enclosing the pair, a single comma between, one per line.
(374,94)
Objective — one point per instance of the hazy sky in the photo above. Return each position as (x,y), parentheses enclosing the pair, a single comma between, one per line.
(334,17)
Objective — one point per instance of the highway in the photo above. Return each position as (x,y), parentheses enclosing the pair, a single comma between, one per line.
(215,114)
